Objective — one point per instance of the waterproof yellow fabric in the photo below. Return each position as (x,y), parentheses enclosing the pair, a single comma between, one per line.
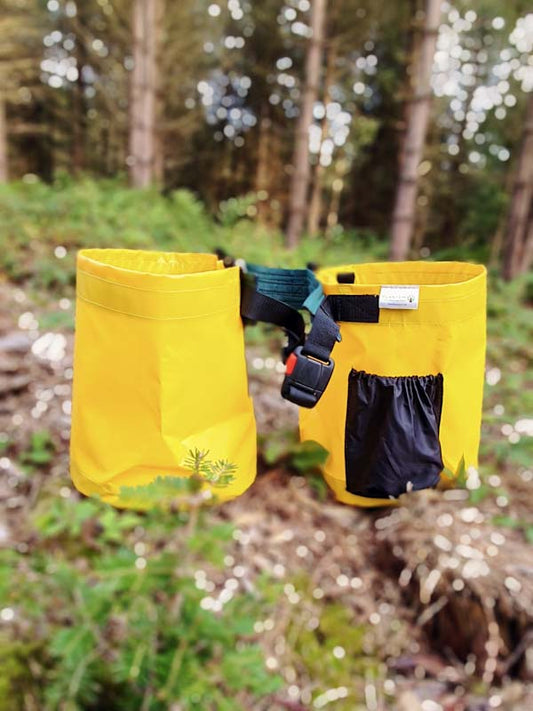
(446,334)
(159,370)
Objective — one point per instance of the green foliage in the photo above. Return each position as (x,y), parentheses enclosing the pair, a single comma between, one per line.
(57,320)
(14,656)
(317,649)
(233,210)
(526,527)
(243,668)
(113,617)
(455,478)
(163,492)
(276,445)
(179,491)
(59,518)
(510,334)
(218,473)
(40,452)
(483,206)
(510,326)
(37,218)
(308,456)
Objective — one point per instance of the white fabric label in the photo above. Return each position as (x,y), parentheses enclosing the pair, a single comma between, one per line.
(399,297)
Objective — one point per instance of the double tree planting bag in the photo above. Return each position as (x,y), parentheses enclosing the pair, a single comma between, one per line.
(404,399)
(159,374)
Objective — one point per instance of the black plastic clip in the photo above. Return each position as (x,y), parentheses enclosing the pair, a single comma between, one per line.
(306,378)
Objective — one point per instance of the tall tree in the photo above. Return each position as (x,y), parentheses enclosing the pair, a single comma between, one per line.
(143,93)
(518,251)
(315,205)
(417,118)
(78,101)
(301,166)
(21,28)
(3,141)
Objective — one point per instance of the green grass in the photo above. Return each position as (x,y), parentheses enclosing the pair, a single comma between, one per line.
(109,614)
(36,218)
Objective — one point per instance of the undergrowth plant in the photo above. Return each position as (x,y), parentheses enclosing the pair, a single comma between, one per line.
(194,487)
(106,612)
(40,452)
(37,218)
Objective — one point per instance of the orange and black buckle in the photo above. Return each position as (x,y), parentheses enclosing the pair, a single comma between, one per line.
(306,378)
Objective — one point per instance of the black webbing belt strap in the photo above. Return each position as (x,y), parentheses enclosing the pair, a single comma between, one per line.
(274,296)
(309,367)
(256,306)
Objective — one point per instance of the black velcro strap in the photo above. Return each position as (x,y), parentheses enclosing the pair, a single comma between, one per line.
(361,308)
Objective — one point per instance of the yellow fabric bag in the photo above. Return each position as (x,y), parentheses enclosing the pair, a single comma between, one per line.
(159,371)
(405,383)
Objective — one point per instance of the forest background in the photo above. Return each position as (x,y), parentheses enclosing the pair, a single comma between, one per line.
(283,132)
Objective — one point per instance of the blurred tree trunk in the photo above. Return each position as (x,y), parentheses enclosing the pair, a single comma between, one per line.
(79,126)
(301,167)
(418,111)
(527,253)
(143,93)
(3,141)
(497,242)
(262,172)
(518,250)
(159,134)
(341,169)
(79,109)
(315,205)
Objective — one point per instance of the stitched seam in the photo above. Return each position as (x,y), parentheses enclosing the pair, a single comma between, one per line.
(420,323)
(108,481)
(468,278)
(154,318)
(416,273)
(156,291)
(466,275)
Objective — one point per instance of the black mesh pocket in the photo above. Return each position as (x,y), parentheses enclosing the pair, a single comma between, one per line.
(392,434)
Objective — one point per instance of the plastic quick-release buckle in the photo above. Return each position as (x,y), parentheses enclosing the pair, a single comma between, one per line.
(306,378)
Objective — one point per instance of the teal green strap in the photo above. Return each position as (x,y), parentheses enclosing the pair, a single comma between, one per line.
(298,288)
(315,298)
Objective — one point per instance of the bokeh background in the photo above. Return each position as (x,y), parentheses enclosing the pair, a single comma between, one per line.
(285,132)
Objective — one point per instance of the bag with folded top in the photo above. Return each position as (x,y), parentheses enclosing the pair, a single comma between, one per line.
(160,386)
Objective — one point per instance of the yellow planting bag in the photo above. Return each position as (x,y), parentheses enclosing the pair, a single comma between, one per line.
(159,373)
(403,405)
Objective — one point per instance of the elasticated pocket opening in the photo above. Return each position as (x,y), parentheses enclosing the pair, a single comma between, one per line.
(392,434)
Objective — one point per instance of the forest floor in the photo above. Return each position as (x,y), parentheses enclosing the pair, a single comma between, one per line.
(425,607)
